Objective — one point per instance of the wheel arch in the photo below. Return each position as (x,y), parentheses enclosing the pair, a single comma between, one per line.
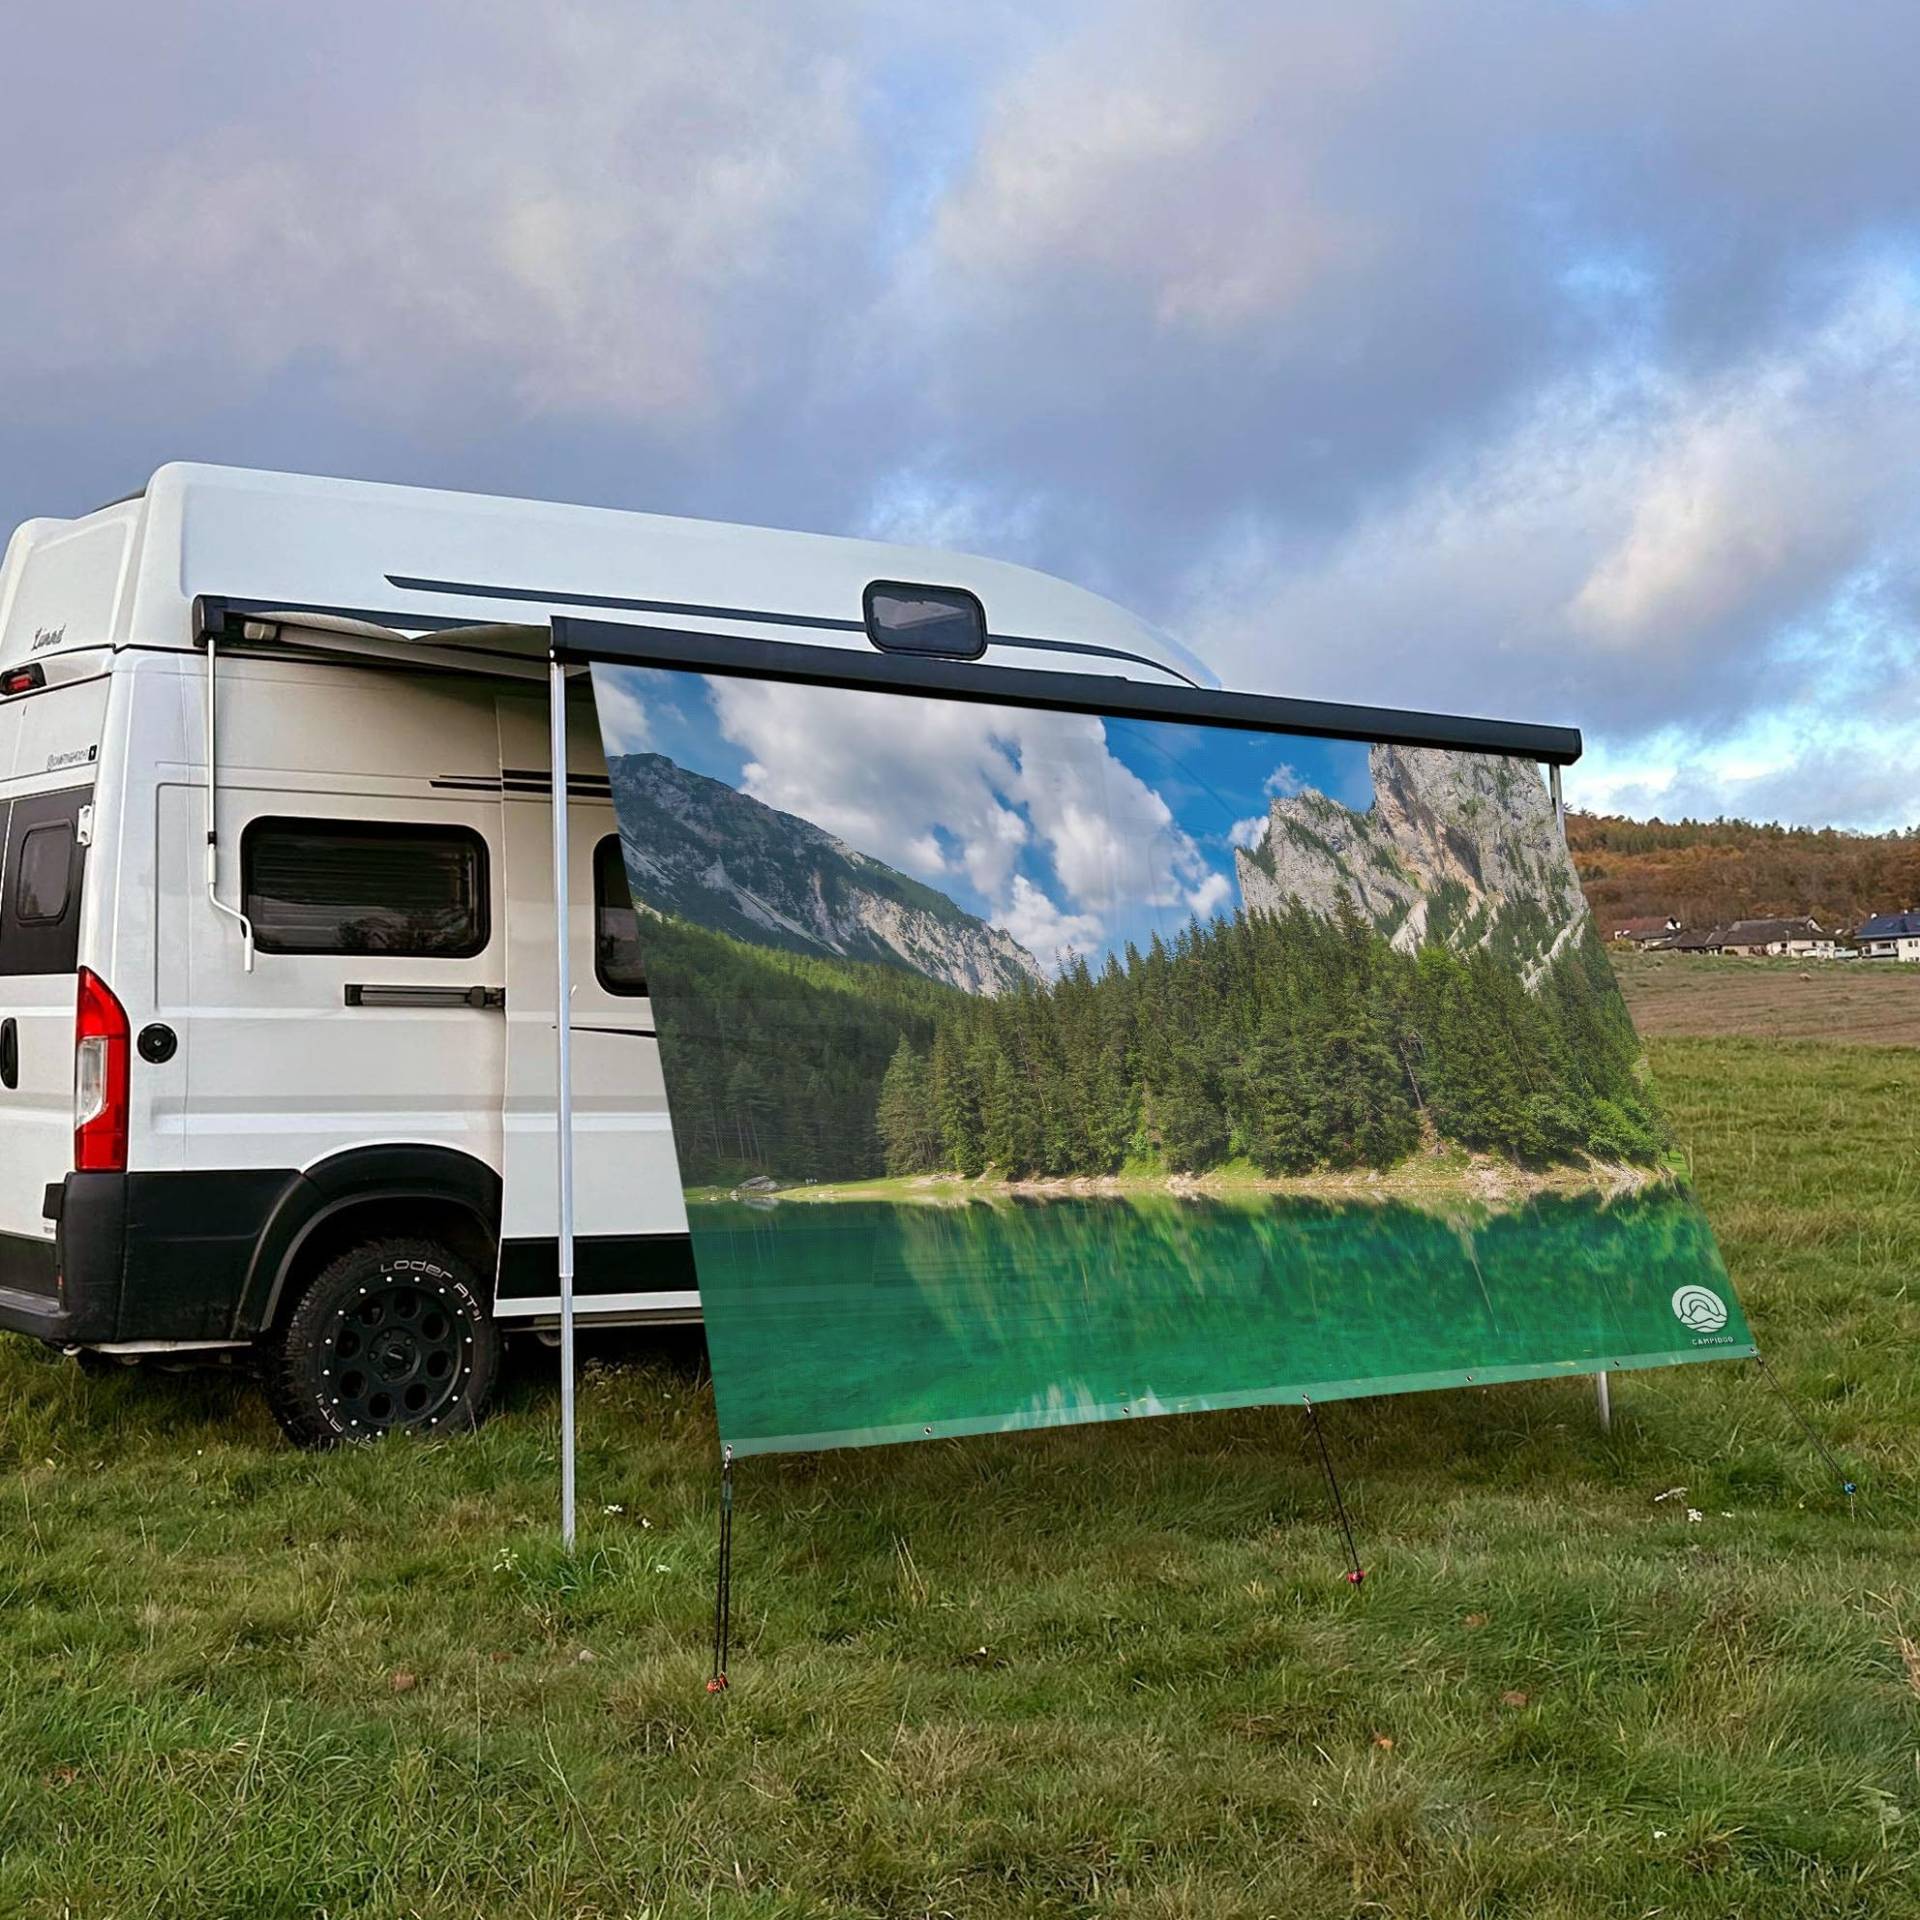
(370,1193)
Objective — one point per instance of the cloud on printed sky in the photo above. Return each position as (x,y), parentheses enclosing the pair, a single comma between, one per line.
(1028,817)
(1550,360)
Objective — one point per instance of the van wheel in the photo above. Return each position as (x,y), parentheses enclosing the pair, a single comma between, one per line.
(392,1335)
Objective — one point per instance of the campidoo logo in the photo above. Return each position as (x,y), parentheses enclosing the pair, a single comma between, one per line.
(1700,1309)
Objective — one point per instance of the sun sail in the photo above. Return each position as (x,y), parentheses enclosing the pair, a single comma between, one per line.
(1032,1066)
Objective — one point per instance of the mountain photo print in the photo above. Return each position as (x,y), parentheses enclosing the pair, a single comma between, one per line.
(1029,1067)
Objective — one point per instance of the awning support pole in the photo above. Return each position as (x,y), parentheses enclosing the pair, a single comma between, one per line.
(1602,1387)
(563,1062)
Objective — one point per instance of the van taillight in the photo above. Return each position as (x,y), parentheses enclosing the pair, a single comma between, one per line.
(100,1050)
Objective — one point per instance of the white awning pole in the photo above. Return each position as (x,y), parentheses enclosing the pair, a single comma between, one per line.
(1602,1388)
(563,1061)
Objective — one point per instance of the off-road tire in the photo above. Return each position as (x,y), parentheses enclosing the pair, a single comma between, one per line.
(392,1336)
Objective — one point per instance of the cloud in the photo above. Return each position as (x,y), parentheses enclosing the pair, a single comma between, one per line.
(924,785)
(568,212)
(1638,550)
(1469,357)
(1249,832)
(624,720)
(1031,811)
(1283,782)
(1043,929)
(1210,895)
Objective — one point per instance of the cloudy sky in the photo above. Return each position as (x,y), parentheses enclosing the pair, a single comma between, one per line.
(1553,358)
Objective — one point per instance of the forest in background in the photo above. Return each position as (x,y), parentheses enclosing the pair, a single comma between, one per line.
(1286,1041)
(1708,872)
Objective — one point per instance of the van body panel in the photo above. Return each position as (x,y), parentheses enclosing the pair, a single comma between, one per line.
(283,1070)
(626,1180)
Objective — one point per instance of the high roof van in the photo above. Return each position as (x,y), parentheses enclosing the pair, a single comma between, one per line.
(277,938)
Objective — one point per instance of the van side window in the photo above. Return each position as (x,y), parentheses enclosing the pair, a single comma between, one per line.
(616,927)
(44,882)
(43,864)
(365,886)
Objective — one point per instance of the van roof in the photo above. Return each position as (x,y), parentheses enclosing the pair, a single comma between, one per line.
(416,557)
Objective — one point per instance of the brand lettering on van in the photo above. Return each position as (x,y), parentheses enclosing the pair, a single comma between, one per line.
(80,757)
(47,637)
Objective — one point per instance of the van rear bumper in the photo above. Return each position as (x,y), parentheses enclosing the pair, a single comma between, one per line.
(30,1297)
(138,1256)
(67,1289)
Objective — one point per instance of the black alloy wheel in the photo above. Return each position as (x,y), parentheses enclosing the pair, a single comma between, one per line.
(392,1335)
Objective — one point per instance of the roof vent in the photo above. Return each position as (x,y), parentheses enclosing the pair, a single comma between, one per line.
(948,623)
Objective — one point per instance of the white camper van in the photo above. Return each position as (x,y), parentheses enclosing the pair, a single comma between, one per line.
(277,938)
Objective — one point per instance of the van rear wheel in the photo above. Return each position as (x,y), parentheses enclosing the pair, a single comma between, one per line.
(393,1335)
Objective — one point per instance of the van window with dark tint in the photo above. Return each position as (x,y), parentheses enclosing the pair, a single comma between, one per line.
(365,886)
(616,927)
(43,880)
(41,867)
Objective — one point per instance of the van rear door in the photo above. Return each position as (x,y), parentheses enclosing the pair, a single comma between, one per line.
(43,861)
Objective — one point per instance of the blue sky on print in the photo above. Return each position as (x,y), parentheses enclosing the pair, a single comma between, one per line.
(1072,832)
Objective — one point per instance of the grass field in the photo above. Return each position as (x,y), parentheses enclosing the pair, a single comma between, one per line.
(1840,1002)
(1111,1670)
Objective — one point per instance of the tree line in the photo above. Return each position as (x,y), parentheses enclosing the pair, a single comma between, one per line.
(775,1057)
(1708,872)
(1289,1042)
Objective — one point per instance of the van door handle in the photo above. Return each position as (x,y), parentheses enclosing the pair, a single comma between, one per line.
(386,995)
(9,1053)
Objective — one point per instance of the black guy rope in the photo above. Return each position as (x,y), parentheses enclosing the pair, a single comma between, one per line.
(723,1585)
(1806,1426)
(1355,1571)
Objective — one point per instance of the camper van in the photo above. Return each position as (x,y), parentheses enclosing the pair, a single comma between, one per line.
(278,942)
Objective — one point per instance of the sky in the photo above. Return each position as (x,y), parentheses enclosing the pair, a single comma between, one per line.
(1554,359)
(1075,833)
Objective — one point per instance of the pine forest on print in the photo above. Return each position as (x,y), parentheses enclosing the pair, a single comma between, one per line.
(1028,1067)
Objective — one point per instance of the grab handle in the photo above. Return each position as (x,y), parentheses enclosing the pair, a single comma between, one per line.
(9,1053)
(389,995)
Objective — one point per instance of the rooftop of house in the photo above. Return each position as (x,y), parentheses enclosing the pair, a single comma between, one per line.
(1760,933)
(1891,926)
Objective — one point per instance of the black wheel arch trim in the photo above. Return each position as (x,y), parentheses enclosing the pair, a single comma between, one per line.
(358,1177)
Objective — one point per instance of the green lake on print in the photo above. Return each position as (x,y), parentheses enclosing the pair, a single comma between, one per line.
(941,1318)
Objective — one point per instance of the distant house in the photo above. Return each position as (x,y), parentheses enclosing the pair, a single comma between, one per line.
(1890,936)
(1801,939)
(1643,933)
(1690,940)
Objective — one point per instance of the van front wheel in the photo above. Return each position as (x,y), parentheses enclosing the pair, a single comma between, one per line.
(392,1335)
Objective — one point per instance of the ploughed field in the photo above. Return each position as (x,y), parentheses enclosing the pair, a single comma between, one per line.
(1109,1668)
(1859,1002)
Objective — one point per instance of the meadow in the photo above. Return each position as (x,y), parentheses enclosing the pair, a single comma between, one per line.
(1667,1670)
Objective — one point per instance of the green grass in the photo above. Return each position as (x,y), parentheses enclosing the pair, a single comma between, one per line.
(1109,1670)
